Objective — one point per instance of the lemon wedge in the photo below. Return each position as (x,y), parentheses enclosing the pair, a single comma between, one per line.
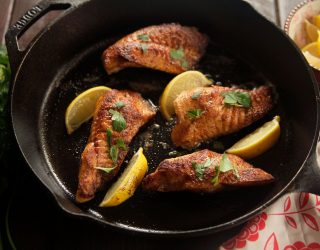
(184,81)
(128,182)
(258,141)
(82,107)
(312,60)
(316,21)
(311,30)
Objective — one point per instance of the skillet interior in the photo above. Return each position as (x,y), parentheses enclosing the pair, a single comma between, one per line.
(73,65)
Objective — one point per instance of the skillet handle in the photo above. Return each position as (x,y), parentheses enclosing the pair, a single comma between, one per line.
(17,54)
(308,179)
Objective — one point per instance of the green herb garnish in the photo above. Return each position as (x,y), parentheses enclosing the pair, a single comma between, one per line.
(119,104)
(118,121)
(109,135)
(107,170)
(194,113)
(196,95)
(185,64)
(143,37)
(215,179)
(200,168)
(240,99)
(225,166)
(144,47)
(120,144)
(177,54)
(114,151)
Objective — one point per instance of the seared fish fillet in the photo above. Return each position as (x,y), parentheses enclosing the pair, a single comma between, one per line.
(217,118)
(168,47)
(136,113)
(178,174)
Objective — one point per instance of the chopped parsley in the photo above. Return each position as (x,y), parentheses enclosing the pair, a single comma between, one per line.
(225,166)
(200,168)
(119,104)
(118,121)
(177,54)
(196,95)
(109,135)
(194,113)
(107,169)
(144,47)
(185,64)
(236,98)
(114,152)
(143,37)
(120,144)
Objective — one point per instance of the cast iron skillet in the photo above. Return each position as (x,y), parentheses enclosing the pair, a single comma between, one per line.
(65,60)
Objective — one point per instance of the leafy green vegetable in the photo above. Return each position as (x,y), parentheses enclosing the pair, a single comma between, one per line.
(144,47)
(107,169)
(200,168)
(109,135)
(143,37)
(118,121)
(119,104)
(177,54)
(194,113)
(240,99)
(120,144)
(196,95)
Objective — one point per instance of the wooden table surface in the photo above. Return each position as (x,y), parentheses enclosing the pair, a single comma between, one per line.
(40,224)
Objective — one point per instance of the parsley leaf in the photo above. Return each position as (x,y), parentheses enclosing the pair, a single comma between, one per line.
(114,151)
(119,104)
(144,47)
(200,168)
(118,121)
(120,144)
(107,170)
(194,113)
(240,99)
(215,179)
(143,37)
(185,64)
(225,166)
(196,95)
(109,135)
(177,54)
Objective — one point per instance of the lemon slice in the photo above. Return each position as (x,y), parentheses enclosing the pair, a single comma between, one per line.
(258,141)
(128,182)
(184,81)
(316,21)
(82,107)
(311,30)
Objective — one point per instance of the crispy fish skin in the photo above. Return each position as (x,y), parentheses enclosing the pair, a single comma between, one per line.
(136,112)
(150,47)
(217,118)
(177,174)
